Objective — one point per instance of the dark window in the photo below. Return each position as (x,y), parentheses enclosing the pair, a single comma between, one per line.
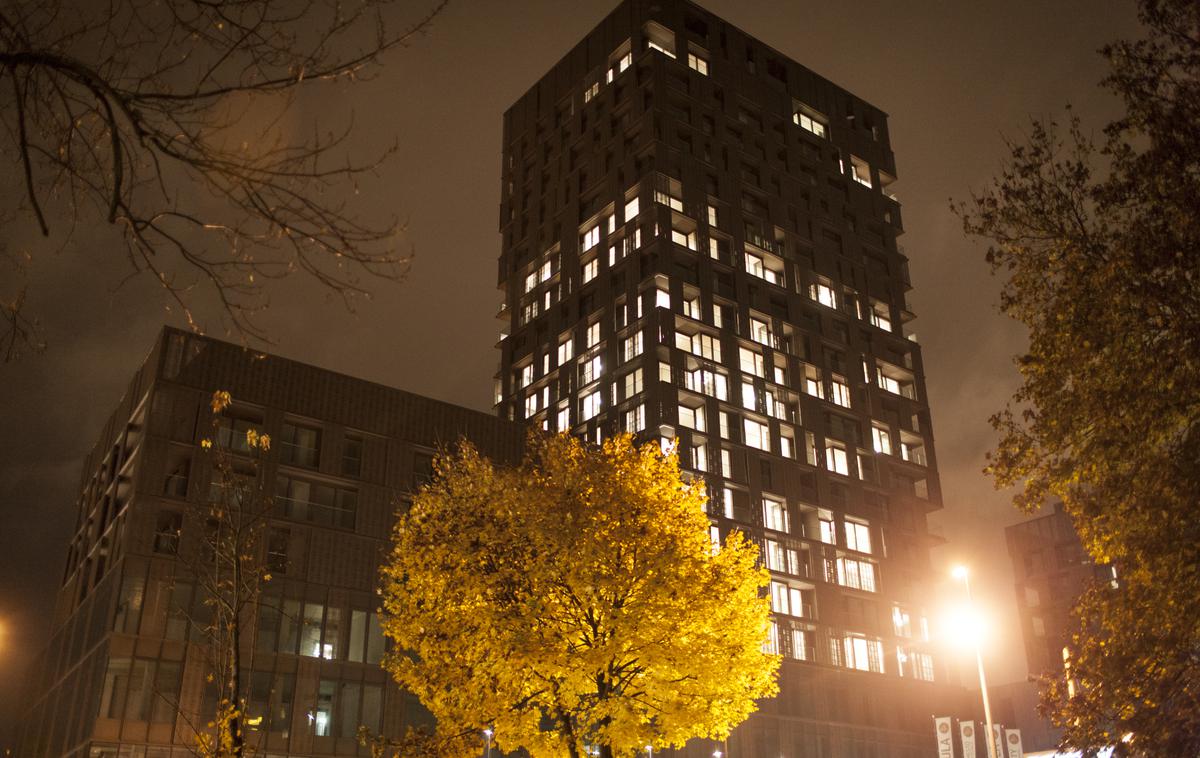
(316,502)
(777,70)
(300,446)
(422,470)
(166,532)
(765,469)
(278,542)
(176,483)
(352,450)
(231,432)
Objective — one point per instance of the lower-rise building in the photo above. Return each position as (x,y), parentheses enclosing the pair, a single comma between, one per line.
(124,673)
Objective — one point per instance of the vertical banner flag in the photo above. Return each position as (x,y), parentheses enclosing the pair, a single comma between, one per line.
(998,741)
(945,736)
(966,733)
(1013,745)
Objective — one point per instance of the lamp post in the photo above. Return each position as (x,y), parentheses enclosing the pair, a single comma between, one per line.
(487,734)
(961,573)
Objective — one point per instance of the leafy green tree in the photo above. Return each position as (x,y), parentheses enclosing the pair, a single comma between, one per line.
(1099,243)
(574,602)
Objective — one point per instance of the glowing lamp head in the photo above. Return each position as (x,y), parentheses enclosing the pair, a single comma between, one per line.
(964,627)
(959,572)
(488,733)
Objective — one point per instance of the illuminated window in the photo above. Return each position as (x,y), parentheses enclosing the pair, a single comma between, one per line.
(802,645)
(591,370)
(880,315)
(692,418)
(631,346)
(860,171)
(836,460)
(726,464)
(618,62)
(589,406)
(863,654)
(632,383)
(839,391)
(660,38)
(812,381)
(631,209)
(775,515)
(590,238)
(707,382)
(912,452)
(593,335)
(882,440)
(635,418)
(810,122)
(894,379)
(859,575)
(662,298)
(566,350)
(751,362)
(771,646)
(698,64)
(823,294)
(691,308)
(685,239)
(827,528)
(858,536)
(787,445)
(760,331)
(668,192)
(590,270)
(703,345)
(758,435)
(749,397)
(755,267)
(563,422)
(322,717)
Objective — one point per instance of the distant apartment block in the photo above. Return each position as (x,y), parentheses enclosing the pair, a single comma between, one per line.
(1052,569)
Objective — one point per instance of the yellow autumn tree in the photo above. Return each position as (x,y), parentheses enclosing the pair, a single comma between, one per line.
(574,603)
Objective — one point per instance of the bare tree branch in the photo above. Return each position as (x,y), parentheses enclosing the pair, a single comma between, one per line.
(175,121)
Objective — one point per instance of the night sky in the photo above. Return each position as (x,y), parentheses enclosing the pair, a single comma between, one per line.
(954,78)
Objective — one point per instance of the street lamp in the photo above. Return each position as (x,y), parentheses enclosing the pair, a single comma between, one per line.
(487,734)
(962,574)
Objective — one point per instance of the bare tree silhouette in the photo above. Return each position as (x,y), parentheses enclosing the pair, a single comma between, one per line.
(182,123)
